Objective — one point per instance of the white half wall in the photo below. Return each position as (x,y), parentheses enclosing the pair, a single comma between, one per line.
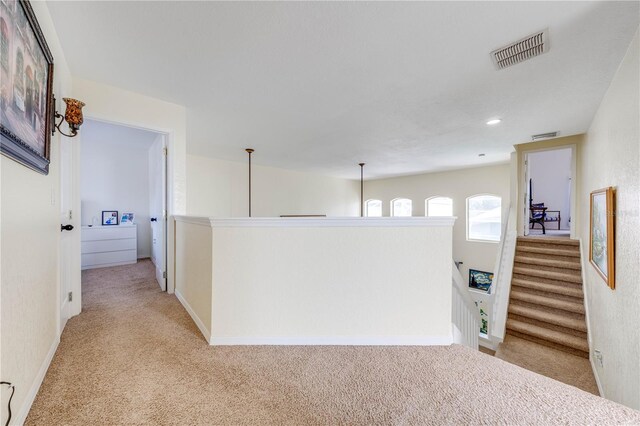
(219,188)
(610,156)
(317,281)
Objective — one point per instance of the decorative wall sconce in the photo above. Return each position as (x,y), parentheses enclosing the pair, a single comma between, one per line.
(72,115)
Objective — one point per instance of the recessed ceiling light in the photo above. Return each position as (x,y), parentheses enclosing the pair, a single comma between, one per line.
(493,122)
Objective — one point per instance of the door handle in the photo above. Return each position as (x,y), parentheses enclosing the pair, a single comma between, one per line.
(154,219)
(66,228)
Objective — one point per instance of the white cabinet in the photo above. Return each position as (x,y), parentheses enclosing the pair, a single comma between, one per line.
(108,246)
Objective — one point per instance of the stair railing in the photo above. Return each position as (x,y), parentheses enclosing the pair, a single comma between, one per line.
(465,314)
(501,286)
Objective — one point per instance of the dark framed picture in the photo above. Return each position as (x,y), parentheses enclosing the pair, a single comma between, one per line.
(110,217)
(602,234)
(480,280)
(26,87)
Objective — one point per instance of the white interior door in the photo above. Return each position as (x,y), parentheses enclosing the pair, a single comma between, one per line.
(67,220)
(157,208)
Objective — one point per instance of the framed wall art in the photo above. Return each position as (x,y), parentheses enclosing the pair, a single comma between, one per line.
(602,234)
(480,280)
(26,87)
(110,217)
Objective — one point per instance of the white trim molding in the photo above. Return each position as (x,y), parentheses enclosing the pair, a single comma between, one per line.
(335,341)
(196,319)
(319,222)
(21,417)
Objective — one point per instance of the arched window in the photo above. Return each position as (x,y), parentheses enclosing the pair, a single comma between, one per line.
(373,208)
(484,218)
(438,206)
(401,207)
(19,74)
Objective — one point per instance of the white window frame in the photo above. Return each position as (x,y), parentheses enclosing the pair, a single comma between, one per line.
(467,218)
(393,213)
(426,204)
(366,207)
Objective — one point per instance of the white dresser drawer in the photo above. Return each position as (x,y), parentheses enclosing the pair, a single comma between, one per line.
(99,246)
(108,233)
(94,260)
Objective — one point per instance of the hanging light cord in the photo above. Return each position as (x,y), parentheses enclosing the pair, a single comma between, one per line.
(13,390)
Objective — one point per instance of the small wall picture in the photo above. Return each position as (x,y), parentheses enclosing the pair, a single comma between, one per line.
(480,280)
(109,217)
(127,219)
(602,234)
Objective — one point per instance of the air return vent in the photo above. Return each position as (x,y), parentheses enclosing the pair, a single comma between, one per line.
(544,136)
(530,46)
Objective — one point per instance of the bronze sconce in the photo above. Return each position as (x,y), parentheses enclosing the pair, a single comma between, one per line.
(72,115)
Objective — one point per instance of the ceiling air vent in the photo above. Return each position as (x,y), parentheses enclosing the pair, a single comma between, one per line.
(544,136)
(530,46)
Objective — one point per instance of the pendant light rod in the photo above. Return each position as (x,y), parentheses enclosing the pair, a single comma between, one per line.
(249,151)
(361,189)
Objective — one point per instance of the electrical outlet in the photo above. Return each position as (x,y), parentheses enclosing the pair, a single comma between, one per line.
(598,356)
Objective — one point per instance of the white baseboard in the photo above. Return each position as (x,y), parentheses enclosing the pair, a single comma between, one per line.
(35,386)
(596,376)
(203,329)
(335,341)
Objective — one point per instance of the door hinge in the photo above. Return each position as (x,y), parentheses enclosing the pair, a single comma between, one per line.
(70,214)
(165,151)
(70,296)
(164,274)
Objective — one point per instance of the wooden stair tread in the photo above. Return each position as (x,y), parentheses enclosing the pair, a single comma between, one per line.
(554,336)
(553,275)
(550,251)
(553,318)
(548,262)
(566,290)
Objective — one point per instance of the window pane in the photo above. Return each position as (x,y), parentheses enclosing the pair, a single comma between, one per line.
(374,208)
(401,207)
(484,215)
(440,206)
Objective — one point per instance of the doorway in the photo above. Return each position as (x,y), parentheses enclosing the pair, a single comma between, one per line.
(549,179)
(123,192)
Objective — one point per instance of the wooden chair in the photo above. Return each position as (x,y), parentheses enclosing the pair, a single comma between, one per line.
(540,214)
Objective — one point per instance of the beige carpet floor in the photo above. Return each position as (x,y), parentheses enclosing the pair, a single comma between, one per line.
(134,357)
(559,365)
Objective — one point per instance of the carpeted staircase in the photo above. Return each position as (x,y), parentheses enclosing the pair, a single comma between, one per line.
(546,303)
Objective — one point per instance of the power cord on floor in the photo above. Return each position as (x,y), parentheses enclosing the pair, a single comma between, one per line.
(13,390)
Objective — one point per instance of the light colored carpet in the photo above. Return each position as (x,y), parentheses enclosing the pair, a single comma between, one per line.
(135,357)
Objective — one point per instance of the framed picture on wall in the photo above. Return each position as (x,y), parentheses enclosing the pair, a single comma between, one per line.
(127,219)
(602,234)
(109,217)
(26,81)
(480,280)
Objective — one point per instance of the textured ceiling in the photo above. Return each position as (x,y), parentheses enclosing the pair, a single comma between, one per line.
(404,86)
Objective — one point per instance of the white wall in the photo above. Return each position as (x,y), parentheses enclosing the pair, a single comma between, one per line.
(114,175)
(218,188)
(458,185)
(317,281)
(550,172)
(610,156)
(30,228)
